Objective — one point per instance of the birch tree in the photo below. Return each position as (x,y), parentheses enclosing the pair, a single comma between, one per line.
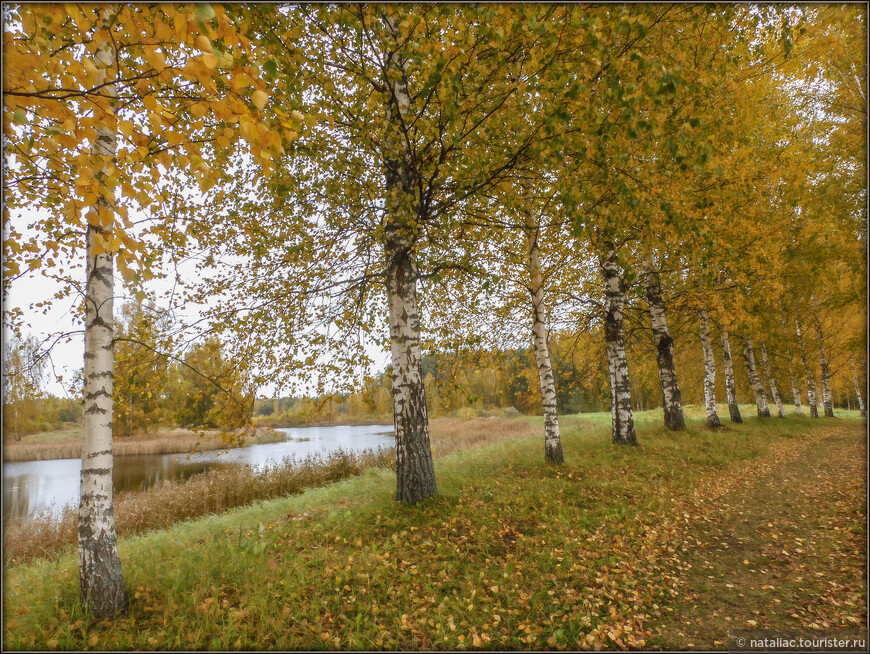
(730,387)
(622,417)
(768,371)
(827,400)
(857,387)
(754,381)
(810,377)
(709,371)
(100,575)
(105,110)
(552,440)
(671,398)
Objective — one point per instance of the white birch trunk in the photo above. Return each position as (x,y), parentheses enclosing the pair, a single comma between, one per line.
(415,471)
(811,382)
(795,389)
(709,371)
(827,400)
(102,582)
(552,441)
(857,387)
(671,397)
(768,370)
(754,381)
(622,417)
(730,386)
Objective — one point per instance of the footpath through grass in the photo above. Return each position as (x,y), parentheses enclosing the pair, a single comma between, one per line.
(782,549)
(512,554)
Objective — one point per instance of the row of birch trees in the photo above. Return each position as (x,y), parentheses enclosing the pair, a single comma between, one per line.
(342,177)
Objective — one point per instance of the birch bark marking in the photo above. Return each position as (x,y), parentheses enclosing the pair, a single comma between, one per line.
(620,384)
(552,440)
(827,400)
(774,391)
(857,386)
(415,472)
(102,582)
(671,398)
(730,386)
(754,381)
(811,382)
(795,389)
(709,371)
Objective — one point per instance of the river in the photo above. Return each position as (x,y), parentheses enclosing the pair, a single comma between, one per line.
(35,487)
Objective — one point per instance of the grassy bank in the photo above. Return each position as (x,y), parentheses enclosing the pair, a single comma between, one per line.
(512,554)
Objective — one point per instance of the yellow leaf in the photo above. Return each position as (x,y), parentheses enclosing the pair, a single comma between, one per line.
(210,61)
(204,44)
(259,98)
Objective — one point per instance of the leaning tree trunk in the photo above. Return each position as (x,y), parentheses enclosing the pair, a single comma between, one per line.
(102,582)
(671,397)
(709,371)
(730,386)
(754,381)
(811,382)
(857,387)
(415,472)
(827,400)
(552,441)
(622,417)
(774,391)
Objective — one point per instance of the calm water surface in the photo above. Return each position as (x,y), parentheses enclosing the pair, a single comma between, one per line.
(33,487)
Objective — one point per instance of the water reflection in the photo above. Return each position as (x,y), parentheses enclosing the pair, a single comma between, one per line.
(34,487)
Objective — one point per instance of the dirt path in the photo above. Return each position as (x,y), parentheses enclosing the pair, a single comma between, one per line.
(782,549)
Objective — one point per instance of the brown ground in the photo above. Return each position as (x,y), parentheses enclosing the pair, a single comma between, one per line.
(785,548)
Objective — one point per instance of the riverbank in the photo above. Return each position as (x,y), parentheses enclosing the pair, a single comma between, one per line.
(233,485)
(68,444)
(511,554)
(45,446)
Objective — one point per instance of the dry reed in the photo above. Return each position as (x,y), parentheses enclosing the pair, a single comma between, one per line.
(172,442)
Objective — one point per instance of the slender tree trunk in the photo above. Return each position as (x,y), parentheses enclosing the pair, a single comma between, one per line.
(754,382)
(620,384)
(857,387)
(827,400)
(811,382)
(795,389)
(730,386)
(552,441)
(671,397)
(102,582)
(415,472)
(774,391)
(709,371)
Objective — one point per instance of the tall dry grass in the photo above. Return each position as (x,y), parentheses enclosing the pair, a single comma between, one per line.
(176,441)
(451,434)
(234,485)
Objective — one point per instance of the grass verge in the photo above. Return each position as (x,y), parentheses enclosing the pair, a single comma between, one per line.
(512,554)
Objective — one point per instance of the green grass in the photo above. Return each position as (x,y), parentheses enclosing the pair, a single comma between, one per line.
(512,554)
